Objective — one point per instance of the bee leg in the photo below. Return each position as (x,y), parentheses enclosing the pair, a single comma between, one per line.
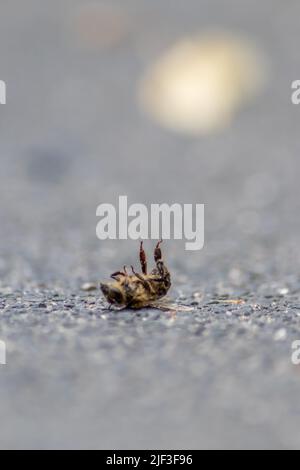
(157,251)
(158,258)
(145,283)
(143,259)
(137,275)
(117,275)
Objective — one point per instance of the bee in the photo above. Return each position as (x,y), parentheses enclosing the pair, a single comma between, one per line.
(138,290)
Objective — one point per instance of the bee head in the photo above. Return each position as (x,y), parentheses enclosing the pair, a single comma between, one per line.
(112,293)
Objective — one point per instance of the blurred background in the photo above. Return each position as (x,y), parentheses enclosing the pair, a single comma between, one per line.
(162,101)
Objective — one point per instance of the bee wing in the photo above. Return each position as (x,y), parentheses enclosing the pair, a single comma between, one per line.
(168,306)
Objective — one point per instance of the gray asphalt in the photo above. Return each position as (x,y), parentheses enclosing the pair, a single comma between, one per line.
(72,137)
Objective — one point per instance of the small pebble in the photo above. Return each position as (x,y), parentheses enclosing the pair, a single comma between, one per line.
(280,335)
(89,286)
(283,291)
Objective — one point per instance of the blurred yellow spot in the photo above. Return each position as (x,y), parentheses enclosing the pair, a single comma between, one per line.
(198,85)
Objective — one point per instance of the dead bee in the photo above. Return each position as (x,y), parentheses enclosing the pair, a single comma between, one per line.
(139,290)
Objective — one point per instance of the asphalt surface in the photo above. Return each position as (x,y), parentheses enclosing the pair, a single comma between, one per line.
(72,136)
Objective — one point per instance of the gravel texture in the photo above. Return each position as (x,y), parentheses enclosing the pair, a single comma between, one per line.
(71,137)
